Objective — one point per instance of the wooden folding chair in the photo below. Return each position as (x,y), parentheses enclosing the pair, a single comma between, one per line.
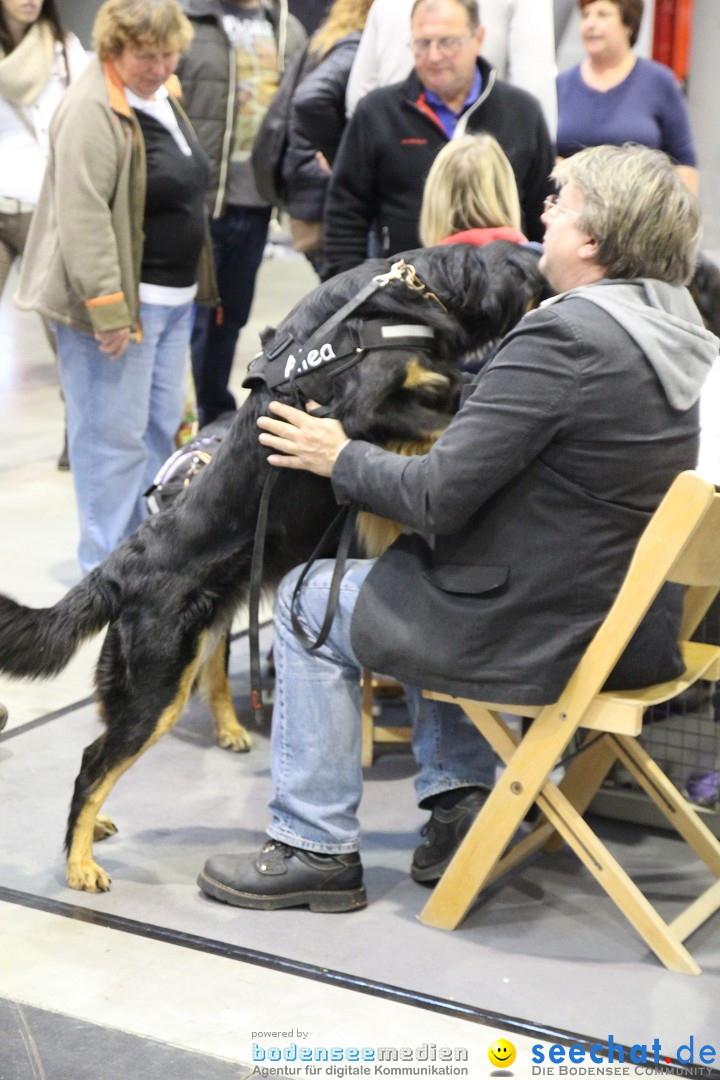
(680,544)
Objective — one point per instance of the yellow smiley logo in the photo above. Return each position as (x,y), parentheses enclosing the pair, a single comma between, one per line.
(501,1053)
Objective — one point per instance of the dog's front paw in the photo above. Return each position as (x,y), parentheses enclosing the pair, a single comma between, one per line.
(87,876)
(103,827)
(234,738)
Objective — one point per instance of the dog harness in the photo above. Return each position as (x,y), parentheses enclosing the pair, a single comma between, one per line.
(306,370)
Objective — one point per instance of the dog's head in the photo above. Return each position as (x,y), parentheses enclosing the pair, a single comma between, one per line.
(461,298)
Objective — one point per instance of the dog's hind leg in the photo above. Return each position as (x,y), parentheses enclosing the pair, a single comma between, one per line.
(215,688)
(128,736)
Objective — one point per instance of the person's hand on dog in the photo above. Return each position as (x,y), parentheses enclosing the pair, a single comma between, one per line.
(114,342)
(305,441)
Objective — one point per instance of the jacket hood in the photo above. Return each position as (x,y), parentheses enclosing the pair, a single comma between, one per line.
(666,325)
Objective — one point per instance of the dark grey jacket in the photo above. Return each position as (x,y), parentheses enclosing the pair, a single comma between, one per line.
(535,496)
(207,75)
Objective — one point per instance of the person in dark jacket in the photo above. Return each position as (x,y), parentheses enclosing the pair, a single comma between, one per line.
(397,131)
(522,520)
(228,76)
(317,121)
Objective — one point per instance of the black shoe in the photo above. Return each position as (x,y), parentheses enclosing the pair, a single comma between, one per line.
(281,876)
(443,833)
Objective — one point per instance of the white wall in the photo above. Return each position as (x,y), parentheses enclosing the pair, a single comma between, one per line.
(703,99)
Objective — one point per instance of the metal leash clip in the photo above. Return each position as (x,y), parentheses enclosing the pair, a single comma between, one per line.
(405,272)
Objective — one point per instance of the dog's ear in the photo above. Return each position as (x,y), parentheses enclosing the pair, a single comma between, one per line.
(425,384)
(267,334)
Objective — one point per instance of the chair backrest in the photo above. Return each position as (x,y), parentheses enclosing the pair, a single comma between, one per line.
(681,543)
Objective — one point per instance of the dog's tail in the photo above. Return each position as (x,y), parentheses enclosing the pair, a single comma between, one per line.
(39,642)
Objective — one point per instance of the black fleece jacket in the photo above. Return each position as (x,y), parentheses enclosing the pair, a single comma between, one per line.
(387,150)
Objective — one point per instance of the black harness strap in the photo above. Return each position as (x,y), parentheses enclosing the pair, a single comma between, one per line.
(256,571)
(348,512)
(347,515)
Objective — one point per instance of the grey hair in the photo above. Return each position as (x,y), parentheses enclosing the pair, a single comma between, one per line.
(471,8)
(645,221)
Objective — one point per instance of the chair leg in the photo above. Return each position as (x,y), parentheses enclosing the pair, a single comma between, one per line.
(669,801)
(661,938)
(500,817)
(522,783)
(584,776)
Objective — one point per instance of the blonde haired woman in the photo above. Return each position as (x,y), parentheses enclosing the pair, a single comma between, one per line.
(470,195)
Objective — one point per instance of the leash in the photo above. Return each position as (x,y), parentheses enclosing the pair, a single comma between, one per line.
(347,515)
(256,572)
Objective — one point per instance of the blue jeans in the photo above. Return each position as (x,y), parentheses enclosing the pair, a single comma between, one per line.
(239,238)
(316,726)
(122,418)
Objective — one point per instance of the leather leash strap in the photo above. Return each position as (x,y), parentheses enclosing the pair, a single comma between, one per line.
(347,516)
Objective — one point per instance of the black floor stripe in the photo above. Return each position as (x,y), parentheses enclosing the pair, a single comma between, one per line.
(371,987)
(47,718)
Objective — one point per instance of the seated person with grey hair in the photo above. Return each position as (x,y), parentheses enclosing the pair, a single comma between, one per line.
(521,522)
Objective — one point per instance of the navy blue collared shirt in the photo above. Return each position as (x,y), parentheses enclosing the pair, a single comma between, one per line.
(447,118)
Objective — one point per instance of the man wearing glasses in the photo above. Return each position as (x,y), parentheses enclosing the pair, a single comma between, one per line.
(397,131)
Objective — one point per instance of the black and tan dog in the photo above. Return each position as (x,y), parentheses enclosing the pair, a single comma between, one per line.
(167,596)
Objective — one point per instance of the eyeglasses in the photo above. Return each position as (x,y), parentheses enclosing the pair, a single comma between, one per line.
(445,46)
(552,207)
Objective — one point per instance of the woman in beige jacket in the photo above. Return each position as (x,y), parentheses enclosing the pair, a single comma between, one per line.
(118,252)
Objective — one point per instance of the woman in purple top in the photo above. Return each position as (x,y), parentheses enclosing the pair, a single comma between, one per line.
(615,97)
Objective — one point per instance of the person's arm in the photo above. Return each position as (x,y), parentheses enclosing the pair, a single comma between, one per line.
(87,159)
(319,101)
(676,132)
(531,54)
(690,177)
(350,204)
(522,400)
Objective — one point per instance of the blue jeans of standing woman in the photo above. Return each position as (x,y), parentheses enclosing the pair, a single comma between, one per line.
(316,727)
(122,418)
